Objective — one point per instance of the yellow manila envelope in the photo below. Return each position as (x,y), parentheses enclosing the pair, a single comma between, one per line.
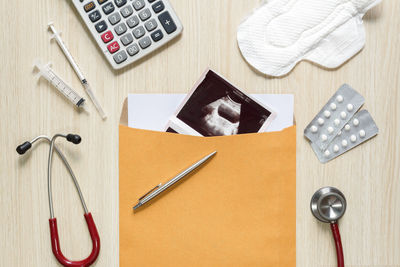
(238,209)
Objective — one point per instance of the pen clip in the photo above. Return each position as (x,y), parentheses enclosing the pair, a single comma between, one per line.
(154,188)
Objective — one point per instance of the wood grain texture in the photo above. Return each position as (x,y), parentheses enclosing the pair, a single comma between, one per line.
(368,175)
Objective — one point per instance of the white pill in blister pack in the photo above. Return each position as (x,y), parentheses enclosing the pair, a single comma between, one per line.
(338,111)
(362,129)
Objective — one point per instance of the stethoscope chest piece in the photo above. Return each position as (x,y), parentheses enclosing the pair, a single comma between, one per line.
(328,204)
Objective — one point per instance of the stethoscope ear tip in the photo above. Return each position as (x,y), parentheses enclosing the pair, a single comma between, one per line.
(74,138)
(21,149)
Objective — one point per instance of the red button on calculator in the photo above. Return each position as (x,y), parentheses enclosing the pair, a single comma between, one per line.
(107,37)
(113,47)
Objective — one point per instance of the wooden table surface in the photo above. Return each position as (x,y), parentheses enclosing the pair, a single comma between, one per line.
(368,175)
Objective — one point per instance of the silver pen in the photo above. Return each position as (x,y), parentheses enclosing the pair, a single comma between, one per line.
(158,189)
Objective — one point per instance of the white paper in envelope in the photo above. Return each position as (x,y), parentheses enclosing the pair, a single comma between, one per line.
(152,111)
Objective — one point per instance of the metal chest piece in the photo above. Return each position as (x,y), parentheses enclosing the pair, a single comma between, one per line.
(328,204)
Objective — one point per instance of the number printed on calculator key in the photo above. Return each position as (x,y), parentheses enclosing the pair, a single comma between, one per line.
(138,4)
(120,28)
(114,18)
(151,25)
(133,49)
(145,14)
(127,11)
(127,39)
(132,21)
(138,32)
(120,57)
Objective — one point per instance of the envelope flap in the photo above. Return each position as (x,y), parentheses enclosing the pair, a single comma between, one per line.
(124,113)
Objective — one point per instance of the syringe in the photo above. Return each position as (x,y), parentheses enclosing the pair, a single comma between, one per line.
(56,35)
(46,72)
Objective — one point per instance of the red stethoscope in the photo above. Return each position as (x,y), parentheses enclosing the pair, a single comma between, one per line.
(55,242)
(328,205)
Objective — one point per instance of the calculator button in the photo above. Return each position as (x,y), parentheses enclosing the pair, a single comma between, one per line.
(120,3)
(132,21)
(95,16)
(113,47)
(151,1)
(138,32)
(145,42)
(89,6)
(108,8)
(158,7)
(127,39)
(107,37)
(151,25)
(138,4)
(101,26)
(101,1)
(120,28)
(145,14)
(157,35)
(167,22)
(127,11)
(114,18)
(133,49)
(120,57)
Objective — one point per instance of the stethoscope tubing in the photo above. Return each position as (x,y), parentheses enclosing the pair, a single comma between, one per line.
(49,166)
(338,243)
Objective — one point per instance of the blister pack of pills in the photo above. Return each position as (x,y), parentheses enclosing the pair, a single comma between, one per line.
(358,130)
(338,127)
(334,116)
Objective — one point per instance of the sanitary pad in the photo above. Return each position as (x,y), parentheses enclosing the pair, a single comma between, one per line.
(283,32)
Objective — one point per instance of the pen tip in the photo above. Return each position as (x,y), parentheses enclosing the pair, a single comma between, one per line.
(137,206)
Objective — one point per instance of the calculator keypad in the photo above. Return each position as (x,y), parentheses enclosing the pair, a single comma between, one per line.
(127,27)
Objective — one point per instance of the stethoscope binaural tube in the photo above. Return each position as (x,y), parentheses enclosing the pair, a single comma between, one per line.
(328,205)
(55,243)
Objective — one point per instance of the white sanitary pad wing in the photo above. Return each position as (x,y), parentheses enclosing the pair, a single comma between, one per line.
(283,32)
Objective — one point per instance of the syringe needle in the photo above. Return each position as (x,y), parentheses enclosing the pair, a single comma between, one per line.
(56,35)
(94,100)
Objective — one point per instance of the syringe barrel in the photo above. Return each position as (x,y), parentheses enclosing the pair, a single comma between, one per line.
(70,94)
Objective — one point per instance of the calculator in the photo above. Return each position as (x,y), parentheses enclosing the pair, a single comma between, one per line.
(127,30)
